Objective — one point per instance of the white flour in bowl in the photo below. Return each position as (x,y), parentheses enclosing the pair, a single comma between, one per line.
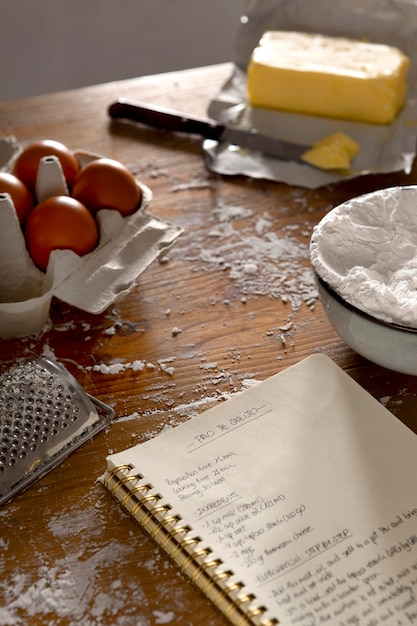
(366,250)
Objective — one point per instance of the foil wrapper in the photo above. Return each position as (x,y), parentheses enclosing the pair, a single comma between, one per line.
(383,148)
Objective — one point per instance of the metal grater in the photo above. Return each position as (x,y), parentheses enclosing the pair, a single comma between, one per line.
(44,416)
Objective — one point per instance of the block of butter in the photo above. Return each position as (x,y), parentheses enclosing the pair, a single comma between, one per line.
(332,77)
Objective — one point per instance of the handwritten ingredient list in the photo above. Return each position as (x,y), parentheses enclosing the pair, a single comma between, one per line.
(305,487)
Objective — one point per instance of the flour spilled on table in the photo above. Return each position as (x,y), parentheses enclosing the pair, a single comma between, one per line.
(260,262)
(256,258)
(65,591)
(58,587)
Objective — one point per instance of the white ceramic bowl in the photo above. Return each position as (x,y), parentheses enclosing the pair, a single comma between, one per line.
(378,331)
(390,345)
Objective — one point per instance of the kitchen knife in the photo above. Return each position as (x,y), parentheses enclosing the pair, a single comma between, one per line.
(167,119)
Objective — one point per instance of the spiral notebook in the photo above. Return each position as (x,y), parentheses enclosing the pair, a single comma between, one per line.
(294,502)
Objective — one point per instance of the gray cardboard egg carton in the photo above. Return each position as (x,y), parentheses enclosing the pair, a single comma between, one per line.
(128,245)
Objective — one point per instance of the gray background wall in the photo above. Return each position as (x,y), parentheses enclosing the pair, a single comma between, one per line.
(53,45)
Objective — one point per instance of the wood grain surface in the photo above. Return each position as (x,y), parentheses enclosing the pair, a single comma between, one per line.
(233,301)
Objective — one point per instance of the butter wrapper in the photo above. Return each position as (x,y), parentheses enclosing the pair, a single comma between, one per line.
(93,282)
(383,149)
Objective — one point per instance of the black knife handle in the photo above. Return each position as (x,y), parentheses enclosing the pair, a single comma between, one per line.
(167,119)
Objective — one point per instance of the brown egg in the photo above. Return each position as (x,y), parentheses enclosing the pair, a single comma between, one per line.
(107,184)
(60,222)
(19,193)
(27,163)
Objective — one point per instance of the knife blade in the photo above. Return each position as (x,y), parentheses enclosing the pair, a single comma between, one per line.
(168,119)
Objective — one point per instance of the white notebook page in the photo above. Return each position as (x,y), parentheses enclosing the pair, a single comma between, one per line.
(306,487)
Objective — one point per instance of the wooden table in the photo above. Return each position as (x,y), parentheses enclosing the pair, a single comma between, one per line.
(223,307)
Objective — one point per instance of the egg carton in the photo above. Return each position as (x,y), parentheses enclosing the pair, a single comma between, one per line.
(93,282)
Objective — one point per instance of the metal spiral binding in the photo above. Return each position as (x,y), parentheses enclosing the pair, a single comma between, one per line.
(166,530)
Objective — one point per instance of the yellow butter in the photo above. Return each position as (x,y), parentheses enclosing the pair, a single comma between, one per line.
(334,152)
(327,76)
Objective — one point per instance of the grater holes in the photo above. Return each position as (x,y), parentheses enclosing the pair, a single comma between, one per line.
(47,413)
(37,403)
(9,403)
(75,411)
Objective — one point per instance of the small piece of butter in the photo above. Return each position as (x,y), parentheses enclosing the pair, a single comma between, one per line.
(327,76)
(334,152)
